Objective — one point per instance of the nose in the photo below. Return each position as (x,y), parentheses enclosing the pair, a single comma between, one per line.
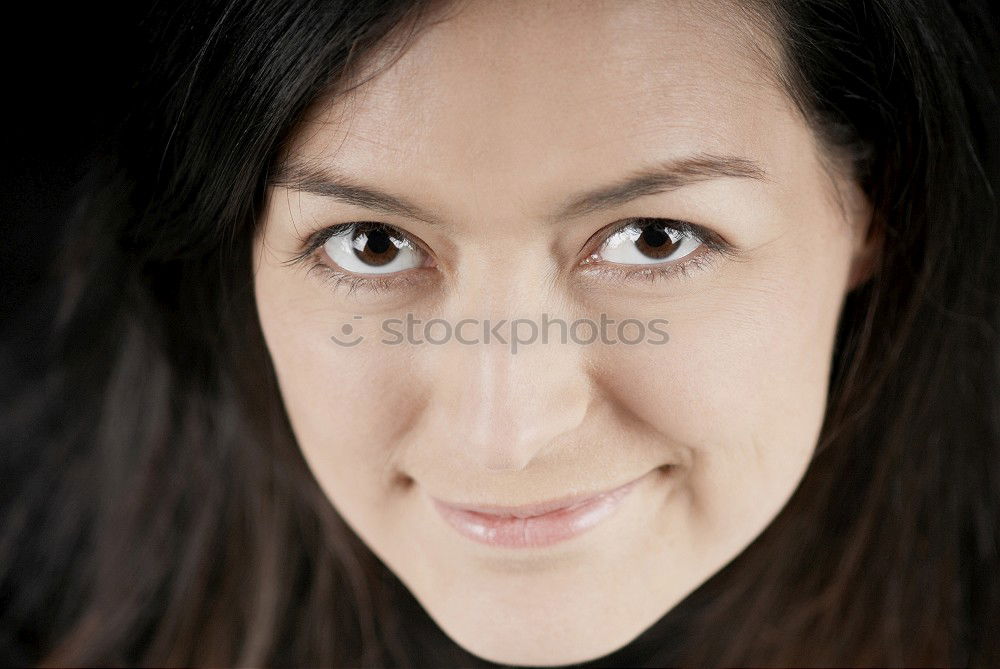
(495,407)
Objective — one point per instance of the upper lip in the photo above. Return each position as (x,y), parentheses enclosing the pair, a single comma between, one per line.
(536,509)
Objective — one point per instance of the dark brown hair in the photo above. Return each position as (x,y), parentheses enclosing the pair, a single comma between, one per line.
(158,511)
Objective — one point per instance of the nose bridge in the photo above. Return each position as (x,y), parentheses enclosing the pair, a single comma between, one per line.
(501,399)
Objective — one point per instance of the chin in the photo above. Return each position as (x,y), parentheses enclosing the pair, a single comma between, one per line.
(525,640)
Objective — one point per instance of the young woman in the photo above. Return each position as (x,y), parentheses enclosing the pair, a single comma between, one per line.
(531,333)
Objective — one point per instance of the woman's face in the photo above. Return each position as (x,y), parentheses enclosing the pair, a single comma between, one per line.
(542,160)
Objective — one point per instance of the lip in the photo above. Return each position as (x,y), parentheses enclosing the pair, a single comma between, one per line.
(533,525)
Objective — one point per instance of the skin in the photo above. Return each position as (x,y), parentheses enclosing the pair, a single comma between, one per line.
(491,120)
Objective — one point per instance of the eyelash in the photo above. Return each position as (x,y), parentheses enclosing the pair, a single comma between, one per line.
(340,278)
(713,244)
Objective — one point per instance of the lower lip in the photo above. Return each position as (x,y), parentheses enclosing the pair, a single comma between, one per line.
(535,531)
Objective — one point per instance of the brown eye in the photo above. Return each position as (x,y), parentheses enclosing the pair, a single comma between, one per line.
(374,245)
(373,248)
(647,241)
(654,242)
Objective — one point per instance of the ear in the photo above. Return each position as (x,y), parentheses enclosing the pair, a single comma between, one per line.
(867,255)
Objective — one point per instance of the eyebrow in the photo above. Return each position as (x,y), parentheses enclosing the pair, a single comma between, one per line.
(667,176)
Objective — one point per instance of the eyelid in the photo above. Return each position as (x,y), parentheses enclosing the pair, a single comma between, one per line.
(712,247)
(330,272)
(374,283)
(314,241)
(709,238)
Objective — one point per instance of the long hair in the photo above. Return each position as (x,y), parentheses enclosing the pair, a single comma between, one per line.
(158,511)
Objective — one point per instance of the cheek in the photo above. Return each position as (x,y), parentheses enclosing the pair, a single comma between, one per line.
(742,382)
(346,404)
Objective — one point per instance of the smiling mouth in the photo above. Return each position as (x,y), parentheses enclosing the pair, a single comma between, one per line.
(534,525)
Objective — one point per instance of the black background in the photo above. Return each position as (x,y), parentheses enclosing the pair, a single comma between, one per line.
(68,71)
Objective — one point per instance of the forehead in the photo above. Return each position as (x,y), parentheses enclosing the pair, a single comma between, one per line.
(535,92)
